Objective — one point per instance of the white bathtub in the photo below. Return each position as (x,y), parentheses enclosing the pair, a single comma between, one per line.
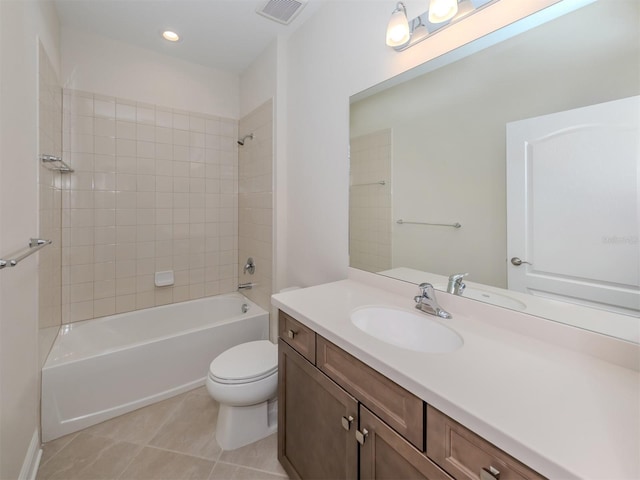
(102,368)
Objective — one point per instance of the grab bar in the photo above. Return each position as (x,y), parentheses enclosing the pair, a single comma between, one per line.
(454,225)
(35,244)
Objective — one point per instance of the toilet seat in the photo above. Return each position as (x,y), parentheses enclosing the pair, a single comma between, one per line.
(245,363)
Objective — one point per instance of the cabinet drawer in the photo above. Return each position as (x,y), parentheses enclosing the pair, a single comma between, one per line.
(402,410)
(465,455)
(301,338)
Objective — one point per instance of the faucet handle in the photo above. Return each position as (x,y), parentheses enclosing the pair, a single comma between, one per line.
(427,289)
(457,277)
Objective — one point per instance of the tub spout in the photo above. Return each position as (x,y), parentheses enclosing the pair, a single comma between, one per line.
(246,286)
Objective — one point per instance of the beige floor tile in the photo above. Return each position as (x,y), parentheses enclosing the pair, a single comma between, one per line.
(191,428)
(49,449)
(138,426)
(155,464)
(226,471)
(200,391)
(261,455)
(89,458)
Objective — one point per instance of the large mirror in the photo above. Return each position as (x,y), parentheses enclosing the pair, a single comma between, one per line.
(516,164)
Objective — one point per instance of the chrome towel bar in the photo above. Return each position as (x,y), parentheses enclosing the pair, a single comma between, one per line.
(454,225)
(381,182)
(35,244)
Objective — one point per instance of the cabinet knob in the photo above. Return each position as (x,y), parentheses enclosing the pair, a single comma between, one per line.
(346,422)
(361,435)
(291,333)
(491,474)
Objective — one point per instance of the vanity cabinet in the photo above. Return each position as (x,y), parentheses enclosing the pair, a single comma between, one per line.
(312,440)
(341,419)
(330,405)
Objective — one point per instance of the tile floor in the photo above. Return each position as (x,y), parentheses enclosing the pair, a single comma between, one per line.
(173,439)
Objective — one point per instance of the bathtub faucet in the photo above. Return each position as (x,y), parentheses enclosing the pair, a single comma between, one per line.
(246,286)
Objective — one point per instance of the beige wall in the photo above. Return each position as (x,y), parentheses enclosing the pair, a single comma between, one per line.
(21,24)
(336,55)
(154,189)
(255,199)
(92,63)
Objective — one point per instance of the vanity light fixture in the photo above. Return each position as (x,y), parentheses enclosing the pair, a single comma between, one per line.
(442,10)
(402,34)
(398,33)
(171,36)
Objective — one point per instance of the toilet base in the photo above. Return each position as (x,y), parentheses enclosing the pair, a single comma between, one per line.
(240,426)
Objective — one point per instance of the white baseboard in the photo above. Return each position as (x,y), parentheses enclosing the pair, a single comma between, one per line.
(31,459)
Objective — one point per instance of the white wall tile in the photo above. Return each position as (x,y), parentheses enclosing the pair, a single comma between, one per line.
(145,197)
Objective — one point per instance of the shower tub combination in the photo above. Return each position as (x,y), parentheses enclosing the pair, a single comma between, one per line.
(99,369)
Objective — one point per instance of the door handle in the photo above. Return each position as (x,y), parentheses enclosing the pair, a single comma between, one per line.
(517,262)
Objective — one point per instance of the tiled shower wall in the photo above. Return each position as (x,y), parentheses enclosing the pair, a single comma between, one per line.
(154,189)
(369,202)
(50,193)
(255,199)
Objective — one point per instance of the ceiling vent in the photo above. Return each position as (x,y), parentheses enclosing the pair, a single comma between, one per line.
(281,11)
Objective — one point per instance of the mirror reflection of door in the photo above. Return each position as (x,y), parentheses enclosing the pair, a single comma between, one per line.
(572,206)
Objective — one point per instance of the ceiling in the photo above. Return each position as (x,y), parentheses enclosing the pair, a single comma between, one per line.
(222,34)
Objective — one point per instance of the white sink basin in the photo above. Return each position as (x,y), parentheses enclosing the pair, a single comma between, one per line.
(489,297)
(494,299)
(413,331)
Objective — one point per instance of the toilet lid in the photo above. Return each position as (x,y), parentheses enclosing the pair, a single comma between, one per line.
(246,362)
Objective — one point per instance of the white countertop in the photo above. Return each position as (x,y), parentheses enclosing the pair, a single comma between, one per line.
(562,412)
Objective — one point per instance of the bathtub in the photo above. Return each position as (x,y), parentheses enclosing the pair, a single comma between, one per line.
(99,369)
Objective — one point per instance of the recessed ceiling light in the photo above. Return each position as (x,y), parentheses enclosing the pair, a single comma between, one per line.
(171,36)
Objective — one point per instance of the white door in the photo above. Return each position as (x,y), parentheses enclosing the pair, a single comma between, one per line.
(572,205)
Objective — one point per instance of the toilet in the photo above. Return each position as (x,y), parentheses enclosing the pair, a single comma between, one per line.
(243,379)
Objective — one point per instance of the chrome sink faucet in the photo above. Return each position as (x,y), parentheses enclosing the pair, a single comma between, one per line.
(455,285)
(427,302)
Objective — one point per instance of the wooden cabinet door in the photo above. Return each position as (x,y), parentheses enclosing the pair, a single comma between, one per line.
(467,456)
(386,455)
(313,442)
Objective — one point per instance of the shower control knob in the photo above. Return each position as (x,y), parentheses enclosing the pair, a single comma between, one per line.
(250,266)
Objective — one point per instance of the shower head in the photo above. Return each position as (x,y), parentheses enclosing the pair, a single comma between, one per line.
(241,141)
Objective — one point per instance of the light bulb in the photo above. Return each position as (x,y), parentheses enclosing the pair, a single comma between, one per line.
(398,29)
(171,36)
(442,10)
